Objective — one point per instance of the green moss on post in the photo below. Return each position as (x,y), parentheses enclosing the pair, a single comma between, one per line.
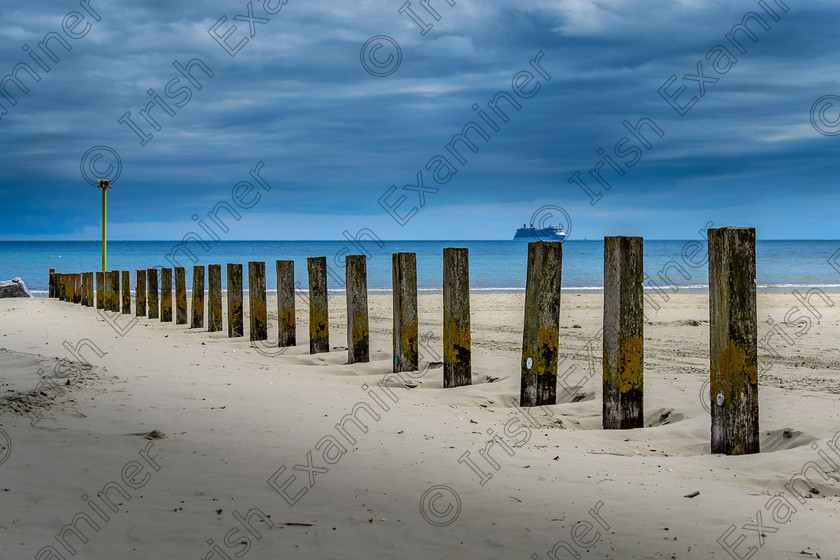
(100,290)
(214,303)
(286,304)
(126,292)
(236,326)
(180,296)
(541,333)
(198,298)
(319,318)
(358,329)
(166,295)
(623,334)
(140,293)
(153,299)
(733,341)
(405,336)
(457,348)
(257,312)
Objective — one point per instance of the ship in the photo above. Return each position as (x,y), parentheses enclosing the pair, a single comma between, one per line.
(550,233)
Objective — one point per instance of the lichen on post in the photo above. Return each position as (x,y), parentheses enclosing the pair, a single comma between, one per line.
(405,336)
(180,295)
(100,290)
(286,304)
(623,333)
(257,312)
(153,298)
(358,329)
(140,293)
(457,348)
(541,333)
(214,293)
(236,326)
(733,341)
(319,319)
(166,295)
(198,298)
(126,292)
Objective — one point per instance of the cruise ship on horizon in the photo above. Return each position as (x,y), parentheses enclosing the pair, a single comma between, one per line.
(549,233)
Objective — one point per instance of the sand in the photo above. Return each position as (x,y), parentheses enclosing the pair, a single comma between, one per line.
(243,457)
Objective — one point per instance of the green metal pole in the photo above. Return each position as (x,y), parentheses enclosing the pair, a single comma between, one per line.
(104,214)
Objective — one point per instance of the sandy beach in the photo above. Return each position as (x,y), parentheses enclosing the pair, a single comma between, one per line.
(252,452)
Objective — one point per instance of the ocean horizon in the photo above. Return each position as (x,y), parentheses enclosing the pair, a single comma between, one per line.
(494,265)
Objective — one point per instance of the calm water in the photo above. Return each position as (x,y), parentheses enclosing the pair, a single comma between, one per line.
(494,265)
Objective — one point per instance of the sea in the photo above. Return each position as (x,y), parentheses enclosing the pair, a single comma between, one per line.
(494,265)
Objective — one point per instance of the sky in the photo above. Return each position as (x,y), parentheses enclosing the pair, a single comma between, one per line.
(325,117)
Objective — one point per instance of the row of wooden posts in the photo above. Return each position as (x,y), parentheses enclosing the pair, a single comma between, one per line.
(733,335)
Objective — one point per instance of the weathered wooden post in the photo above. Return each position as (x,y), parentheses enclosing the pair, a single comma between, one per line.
(457,349)
(236,326)
(319,318)
(358,329)
(623,333)
(214,303)
(405,340)
(100,289)
(541,333)
(109,287)
(166,295)
(198,298)
(153,299)
(256,302)
(733,341)
(86,292)
(180,295)
(286,304)
(140,293)
(126,292)
(115,291)
(77,288)
(83,286)
(62,287)
(52,283)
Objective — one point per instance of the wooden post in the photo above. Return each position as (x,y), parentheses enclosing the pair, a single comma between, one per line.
(91,299)
(198,298)
(286,304)
(62,287)
(180,295)
(623,333)
(405,340)
(358,329)
(319,317)
(115,291)
(457,349)
(733,341)
(153,300)
(234,300)
(140,293)
(52,283)
(100,289)
(541,333)
(83,289)
(256,302)
(77,287)
(214,304)
(166,295)
(126,292)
